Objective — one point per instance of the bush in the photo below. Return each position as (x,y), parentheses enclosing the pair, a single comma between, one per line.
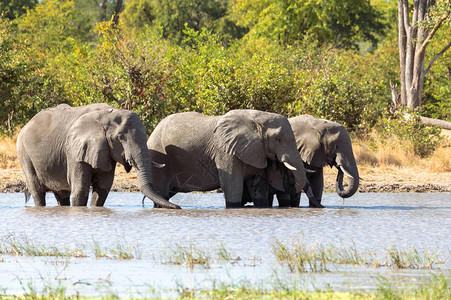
(333,85)
(421,138)
(214,79)
(133,72)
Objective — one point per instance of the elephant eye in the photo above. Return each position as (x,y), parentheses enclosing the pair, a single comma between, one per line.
(120,137)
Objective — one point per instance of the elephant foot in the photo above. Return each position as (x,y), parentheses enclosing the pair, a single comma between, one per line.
(234,205)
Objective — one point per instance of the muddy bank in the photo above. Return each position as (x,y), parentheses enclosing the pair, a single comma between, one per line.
(374,181)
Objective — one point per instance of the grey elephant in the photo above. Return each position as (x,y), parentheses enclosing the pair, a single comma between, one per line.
(203,153)
(67,150)
(320,143)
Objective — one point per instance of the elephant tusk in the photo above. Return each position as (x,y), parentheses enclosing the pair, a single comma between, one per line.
(158,165)
(289,167)
(309,171)
(346,172)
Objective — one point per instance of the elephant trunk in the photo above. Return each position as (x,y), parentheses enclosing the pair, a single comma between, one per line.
(296,166)
(297,169)
(143,165)
(351,171)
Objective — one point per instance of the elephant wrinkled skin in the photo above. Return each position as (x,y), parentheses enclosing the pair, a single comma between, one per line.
(203,153)
(320,143)
(67,150)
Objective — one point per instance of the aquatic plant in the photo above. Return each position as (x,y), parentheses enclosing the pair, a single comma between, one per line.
(351,256)
(411,258)
(188,255)
(191,255)
(226,256)
(12,245)
(47,289)
(436,288)
(301,259)
(119,251)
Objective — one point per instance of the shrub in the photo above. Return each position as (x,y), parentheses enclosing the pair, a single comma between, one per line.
(333,86)
(421,138)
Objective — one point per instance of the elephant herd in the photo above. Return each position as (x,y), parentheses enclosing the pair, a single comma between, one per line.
(251,155)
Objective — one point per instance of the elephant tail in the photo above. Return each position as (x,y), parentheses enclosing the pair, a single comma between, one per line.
(27,195)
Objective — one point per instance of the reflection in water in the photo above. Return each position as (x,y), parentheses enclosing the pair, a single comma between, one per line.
(372,222)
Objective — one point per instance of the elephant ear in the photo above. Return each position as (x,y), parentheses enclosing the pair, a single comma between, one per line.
(239,135)
(87,142)
(310,147)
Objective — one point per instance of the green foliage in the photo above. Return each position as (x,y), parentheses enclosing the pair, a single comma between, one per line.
(15,8)
(23,84)
(436,101)
(49,25)
(174,15)
(138,14)
(163,57)
(134,73)
(335,85)
(343,23)
(215,79)
(421,138)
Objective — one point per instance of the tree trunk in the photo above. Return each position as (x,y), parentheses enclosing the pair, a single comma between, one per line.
(117,10)
(414,37)
(440,123)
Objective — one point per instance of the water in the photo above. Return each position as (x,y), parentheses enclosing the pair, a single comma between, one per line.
(367,221)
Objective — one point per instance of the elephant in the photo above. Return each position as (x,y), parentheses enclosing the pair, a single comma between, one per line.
(319,142)
(66,150)
(203,153)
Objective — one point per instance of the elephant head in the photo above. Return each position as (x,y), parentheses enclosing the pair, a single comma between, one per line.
(322,142)
(255,137)
(101,138)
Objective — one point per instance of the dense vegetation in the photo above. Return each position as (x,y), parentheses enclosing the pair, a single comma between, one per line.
(333,59)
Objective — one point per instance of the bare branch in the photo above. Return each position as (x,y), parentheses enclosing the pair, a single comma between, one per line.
(440,123)
(395,95)
(436,57)
(432,33)
(403,6)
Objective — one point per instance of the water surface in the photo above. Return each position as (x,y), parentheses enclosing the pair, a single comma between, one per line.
(368,221)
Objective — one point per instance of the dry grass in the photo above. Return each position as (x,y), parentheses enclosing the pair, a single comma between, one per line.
(385,164)
(397,153)
(379,162)
(8,154)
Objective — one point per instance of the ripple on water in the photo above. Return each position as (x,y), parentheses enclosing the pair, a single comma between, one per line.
(369,221)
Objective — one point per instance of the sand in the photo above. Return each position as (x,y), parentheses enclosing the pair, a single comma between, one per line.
(381,179)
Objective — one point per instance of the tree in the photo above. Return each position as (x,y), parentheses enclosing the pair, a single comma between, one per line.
(415,33)
(175,15)
(341,22)
(12,9)
(138,13)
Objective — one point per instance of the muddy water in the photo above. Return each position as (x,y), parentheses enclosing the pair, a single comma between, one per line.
(367,221)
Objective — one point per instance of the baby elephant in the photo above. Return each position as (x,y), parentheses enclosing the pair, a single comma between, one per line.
(67,150)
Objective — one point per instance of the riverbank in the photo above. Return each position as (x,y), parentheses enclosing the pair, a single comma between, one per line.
(389,168)
(374,179)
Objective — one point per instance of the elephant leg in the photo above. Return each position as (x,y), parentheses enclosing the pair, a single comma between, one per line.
(317,183)
(283,199)
(80,183)
(289,198)
(246,196)
(62,197)
(232,182)
(295,200)
(101,186)
(38,196)
(34,185)
(258,189)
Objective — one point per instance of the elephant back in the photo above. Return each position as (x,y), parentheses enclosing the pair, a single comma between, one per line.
(187,130)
